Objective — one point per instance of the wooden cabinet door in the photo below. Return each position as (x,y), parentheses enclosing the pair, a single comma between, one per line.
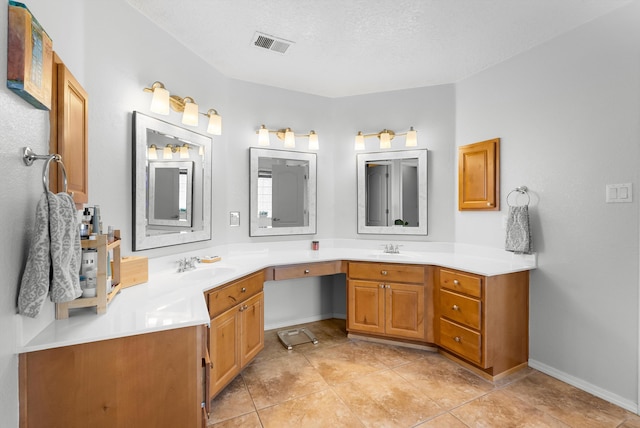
(405,310)
(479,176)
(224,345)
(366,306)
(69,117)
(251,328)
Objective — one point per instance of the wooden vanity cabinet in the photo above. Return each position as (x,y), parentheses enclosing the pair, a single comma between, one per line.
(236,334)
(69,127)
(484,321)
(389,300)
(147,380)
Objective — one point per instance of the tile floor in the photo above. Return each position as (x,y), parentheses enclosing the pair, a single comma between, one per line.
(352,383)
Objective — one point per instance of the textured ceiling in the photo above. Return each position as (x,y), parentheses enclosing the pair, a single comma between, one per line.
(352,47)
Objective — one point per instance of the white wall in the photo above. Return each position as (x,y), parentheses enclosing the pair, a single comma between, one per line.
(556,140)
(568,117)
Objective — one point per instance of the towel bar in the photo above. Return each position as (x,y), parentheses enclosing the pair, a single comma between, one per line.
(29,156)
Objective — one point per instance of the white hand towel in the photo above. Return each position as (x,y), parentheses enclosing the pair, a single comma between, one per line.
(518,237)
(53,262)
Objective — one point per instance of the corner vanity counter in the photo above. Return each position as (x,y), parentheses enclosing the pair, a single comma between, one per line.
(189,334)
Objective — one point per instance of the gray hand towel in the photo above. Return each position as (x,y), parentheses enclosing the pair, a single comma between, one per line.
(53,262)
(518,237)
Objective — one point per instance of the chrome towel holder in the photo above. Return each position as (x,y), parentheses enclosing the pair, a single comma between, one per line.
(29,156)
(522,190)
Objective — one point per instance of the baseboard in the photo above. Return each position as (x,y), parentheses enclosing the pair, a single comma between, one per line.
(585,386)
(298,321)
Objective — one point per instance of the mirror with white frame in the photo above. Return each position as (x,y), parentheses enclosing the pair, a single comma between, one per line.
(392,192)
(283,192)
(171,184)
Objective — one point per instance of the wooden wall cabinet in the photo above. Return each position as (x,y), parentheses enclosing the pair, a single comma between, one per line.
(479,176)
(484,321)
(236,335)
(69,126)
(387,300)
(147,380)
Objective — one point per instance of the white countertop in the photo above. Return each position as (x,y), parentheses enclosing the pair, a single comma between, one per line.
(174,300)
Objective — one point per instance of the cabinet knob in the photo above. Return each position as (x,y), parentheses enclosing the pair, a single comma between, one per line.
(243,290)
(457,339)
(243,308)
(455,307)
(306,271)
(387,286)
(456,282)
(384,272)
(381,285)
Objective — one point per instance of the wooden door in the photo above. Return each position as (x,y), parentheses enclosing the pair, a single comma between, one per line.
(69,117)
(251,328)
(365,306)
(404,310)
(479,176)
(225,349)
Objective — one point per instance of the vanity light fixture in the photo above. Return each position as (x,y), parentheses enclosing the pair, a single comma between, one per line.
(167,152)
(162,103)
(152,152)
(385,136)
(184,151)
(288,136)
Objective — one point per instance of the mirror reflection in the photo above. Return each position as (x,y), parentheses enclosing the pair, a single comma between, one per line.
(392,192)
(283,192)
(172,184)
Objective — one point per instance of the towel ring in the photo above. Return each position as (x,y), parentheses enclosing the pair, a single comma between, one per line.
(29,156)
(521,190)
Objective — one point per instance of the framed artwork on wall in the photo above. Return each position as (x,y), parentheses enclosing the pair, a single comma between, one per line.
(29,57)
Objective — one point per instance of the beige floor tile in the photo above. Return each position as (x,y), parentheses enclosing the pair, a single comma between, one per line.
(233,401)
(567,403)
(319,410)
(344,363)
(632,421)
(250,420)
(280,379)
(444,421)
(444,381)
(500,409)
(384,399)
(391,356)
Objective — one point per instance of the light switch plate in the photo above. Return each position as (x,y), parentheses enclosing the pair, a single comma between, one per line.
(616,193)
(234,218)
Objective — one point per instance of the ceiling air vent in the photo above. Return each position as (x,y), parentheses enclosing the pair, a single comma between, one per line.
(266,41)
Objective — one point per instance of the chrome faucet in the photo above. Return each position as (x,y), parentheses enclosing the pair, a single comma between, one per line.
(392,249)
(188,263)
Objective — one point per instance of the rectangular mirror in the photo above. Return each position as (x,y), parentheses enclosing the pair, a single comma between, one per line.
(171,184)
(392,192)
(283,192)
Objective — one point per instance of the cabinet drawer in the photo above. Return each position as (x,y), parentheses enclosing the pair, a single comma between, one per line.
(459,308)
(387,272)
(223,298)
(460,340)
(461,282)
(307,269)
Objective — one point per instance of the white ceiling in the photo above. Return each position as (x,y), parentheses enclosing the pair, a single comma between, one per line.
(352,47)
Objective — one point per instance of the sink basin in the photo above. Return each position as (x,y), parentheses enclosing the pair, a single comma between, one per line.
(392,256)
(202,274)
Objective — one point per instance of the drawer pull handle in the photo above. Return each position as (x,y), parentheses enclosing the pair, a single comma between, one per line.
(456,282)
(384,272)
(457,339)
(307,271)
(243,290)
(455,307)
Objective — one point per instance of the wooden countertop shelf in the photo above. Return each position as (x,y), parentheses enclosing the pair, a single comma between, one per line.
(102,298)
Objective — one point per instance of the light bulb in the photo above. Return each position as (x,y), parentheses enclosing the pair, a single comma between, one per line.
(184,152)
(160,100)
(289,139)
(215,123)
(166,152)
(359,143)
(412,138)
(190,114)
(313,141)
(263,136)
(385,140)
(151,152)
